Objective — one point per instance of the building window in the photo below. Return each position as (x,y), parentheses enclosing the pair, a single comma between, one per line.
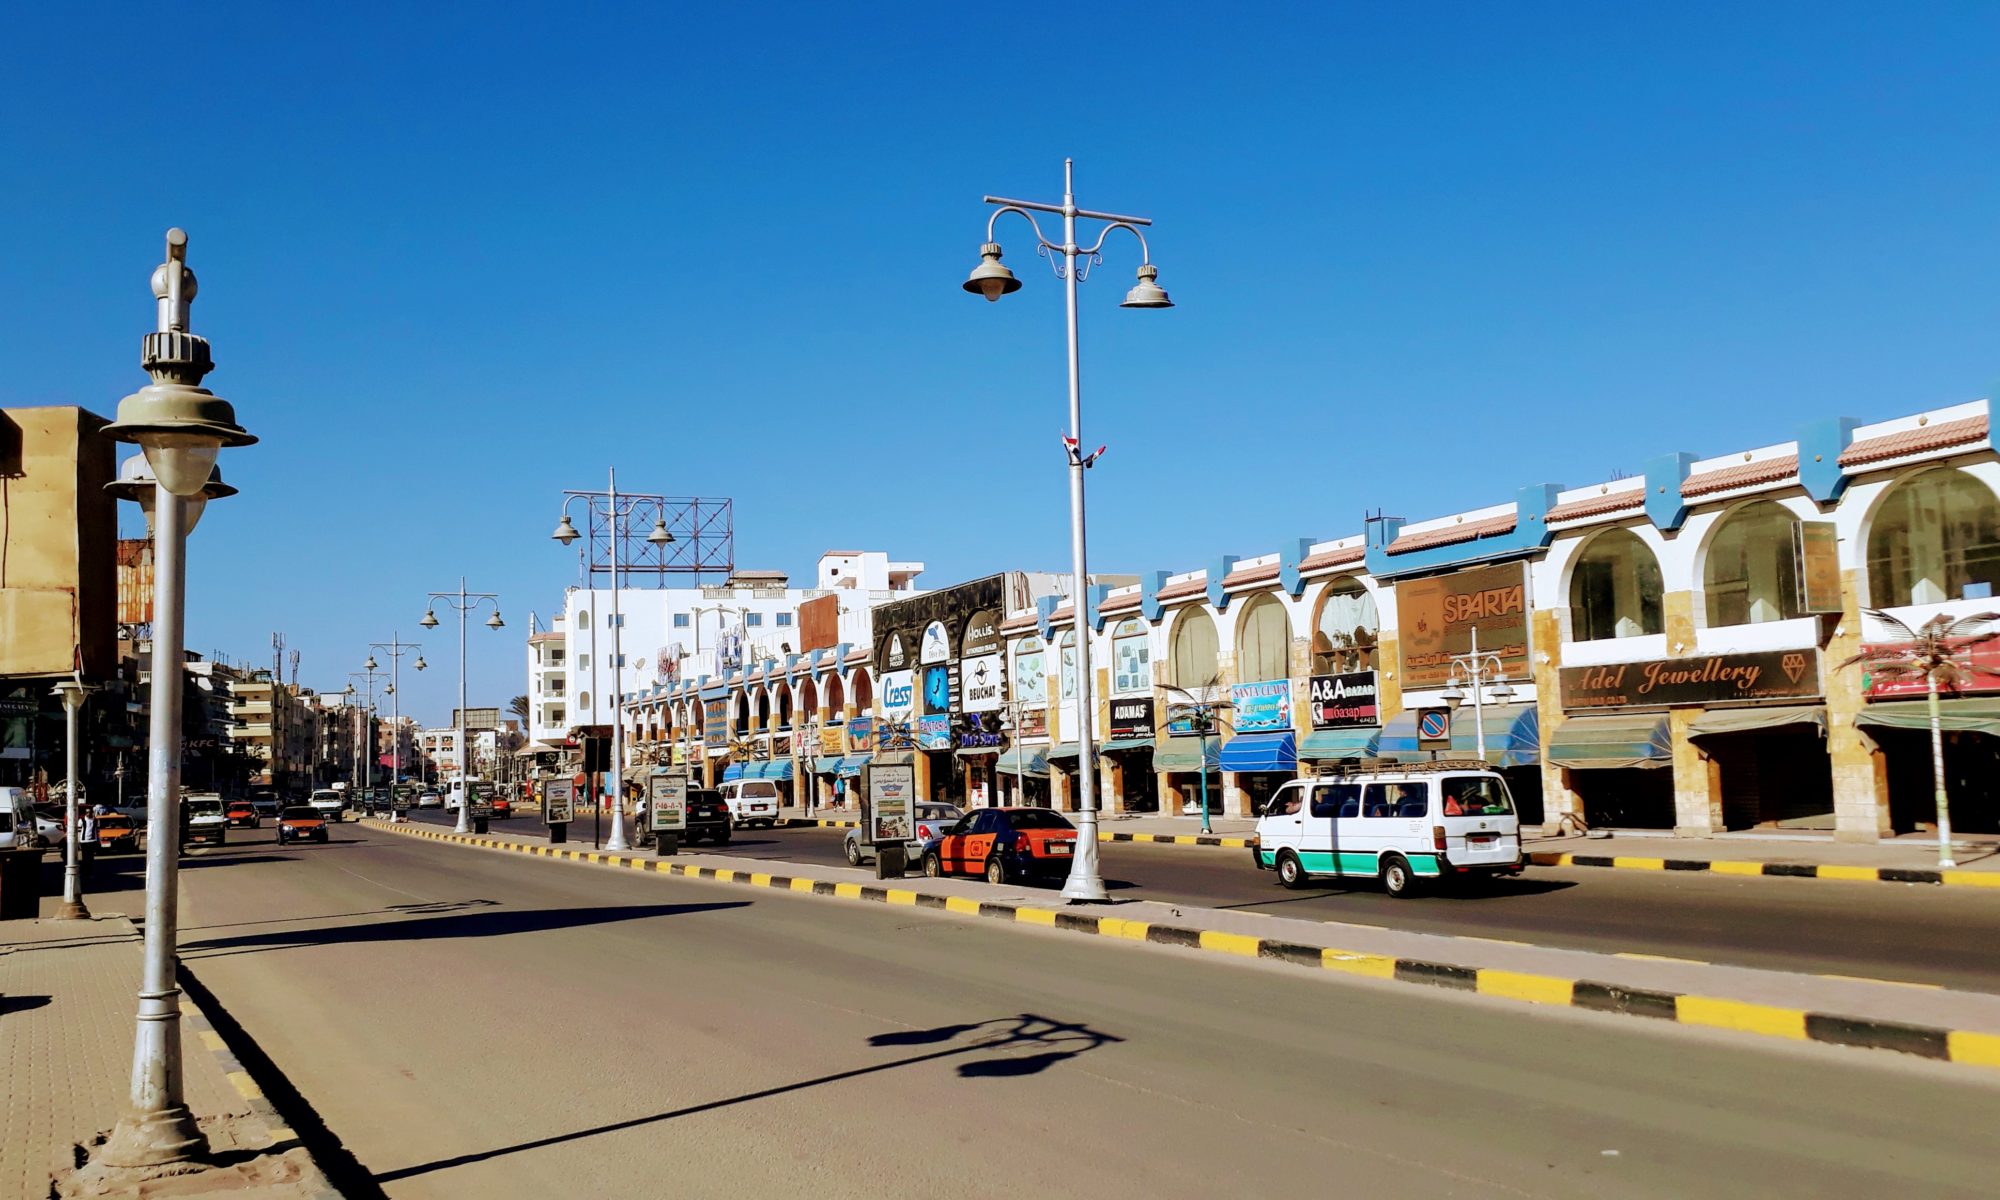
(583,699)
(784,619)
(1068,644)
(617,620)
(621,660)
(583,662)
(555,687)
(1263,642)
(753,619)
(1616,590)
(1936,538)
(556,657)
(583,618)
(555,716)
(1031,674)
(1131,665)
(1345,635)
(1751,575)
(1193,655)
(680,620)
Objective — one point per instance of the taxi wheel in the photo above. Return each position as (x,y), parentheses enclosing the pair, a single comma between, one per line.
(1290,873)
(933,869)
(1396,879)
(996,868)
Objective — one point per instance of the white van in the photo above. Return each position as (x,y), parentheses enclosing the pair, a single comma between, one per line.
(1400,822)
(328,803)
(751,801)
(17,819)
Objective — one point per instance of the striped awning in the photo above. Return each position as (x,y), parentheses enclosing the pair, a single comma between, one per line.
(1513,735)
(1613,741)
(1327,745)
(1023,760)
(1260,752)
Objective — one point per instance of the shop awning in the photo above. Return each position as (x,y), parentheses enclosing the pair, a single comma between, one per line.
(1323,745)
(1612,741)
(1118,745)
(850,766)
(637,771)
(1260,752)
(1960,715)
(1023,760)
(1513,736)
(1062,750)
(826,764)
(777,768)
(1185,754)
(976,751)
(732,771)
(1751,720)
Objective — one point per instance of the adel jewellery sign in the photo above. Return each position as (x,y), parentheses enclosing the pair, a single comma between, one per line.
(1765,675)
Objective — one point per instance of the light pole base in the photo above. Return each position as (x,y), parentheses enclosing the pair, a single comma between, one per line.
(73,910)
(155,1139)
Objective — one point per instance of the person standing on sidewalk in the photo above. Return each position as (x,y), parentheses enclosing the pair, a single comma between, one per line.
(86,848)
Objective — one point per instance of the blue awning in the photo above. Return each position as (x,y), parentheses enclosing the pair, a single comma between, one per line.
(1513,736)
(850,766)
(732,771)
(777,768)
(1260,752)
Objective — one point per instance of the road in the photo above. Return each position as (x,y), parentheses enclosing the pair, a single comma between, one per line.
(1914,933)
(475,1024)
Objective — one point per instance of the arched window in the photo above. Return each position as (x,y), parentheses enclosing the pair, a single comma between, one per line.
(784,707)
(1192,657)
(1068,644)
(1345,636)
(583,618)
(1263,641)
(1935,538)
(1131,660)
(864,693)
(1751,575)
(763,711)
(836,700)
(583,699)
(1616,589)
(1031,673)
(808,700)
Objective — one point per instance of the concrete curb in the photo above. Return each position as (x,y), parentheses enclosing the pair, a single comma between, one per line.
(1949,1045)
(1978,879)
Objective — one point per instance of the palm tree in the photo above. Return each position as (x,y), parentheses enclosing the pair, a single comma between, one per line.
(1938,652)
(519,707)
(1204,713)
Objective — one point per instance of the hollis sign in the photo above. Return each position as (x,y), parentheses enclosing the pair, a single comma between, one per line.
(1767,675)
(1342,701)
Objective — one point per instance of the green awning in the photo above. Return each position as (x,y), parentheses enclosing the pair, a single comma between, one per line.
(1185,754)
(1324,745)
(1613,741)
(1117,744)
(1022,760)
(1960,715)
(1754,720)
(1062,750)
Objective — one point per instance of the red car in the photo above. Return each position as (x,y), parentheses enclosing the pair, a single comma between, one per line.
(1003,844)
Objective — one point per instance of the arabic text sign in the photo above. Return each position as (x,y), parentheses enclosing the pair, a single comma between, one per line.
(666,802)
(1436,618)
(892,790)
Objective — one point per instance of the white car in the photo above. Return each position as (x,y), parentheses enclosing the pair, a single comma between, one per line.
(751,801)
(430,800)
(328,803)
(1430,821)
(206,818)
(17,818)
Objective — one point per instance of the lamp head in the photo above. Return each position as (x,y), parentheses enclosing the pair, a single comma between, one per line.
(1146,293)
(420,662)
(370,664)
(1453,697)
(989,278)
(565,531)
(1500,692)
(661,535)
(494,621)
(430,620)
(70,691)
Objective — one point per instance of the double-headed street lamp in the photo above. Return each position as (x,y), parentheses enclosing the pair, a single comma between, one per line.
(182,427)
(396,648)
(71,692)
(465,602)
(1472,670)
(618,511)
(362,715)
(992,280)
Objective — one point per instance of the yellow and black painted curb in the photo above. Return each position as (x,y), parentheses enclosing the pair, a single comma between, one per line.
(1985,879)
(1949,1045)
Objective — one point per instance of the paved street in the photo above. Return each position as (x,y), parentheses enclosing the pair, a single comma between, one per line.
(1913,933)
(473,1024)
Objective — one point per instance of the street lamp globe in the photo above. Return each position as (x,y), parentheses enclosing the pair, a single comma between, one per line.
(420,662)
(494,621)
(565,531)
(430,620)
(660,536)
(1452,696)
(135,482)
(1146,293)
(989,278)
(1500,692)
(370,665)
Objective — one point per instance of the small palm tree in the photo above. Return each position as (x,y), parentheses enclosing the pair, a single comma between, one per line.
(1937,652)
(1205,713)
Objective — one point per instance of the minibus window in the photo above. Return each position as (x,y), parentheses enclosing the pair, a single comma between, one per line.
(1476,796)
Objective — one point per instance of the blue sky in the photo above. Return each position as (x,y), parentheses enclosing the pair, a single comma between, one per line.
(455,259)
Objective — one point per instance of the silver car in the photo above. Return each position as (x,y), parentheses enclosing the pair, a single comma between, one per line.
(932,819)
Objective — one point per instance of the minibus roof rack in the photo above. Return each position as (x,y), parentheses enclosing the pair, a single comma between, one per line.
(1390,766)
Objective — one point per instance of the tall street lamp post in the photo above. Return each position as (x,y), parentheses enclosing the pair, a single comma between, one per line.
(71,692)
(363,713)
(992,280)
(618,511)
(396,648)
(182,427)
(1473,670)
(465,602)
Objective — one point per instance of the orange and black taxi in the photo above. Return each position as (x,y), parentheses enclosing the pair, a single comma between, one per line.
(300,823)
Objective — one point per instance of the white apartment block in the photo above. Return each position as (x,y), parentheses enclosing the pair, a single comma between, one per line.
(548,687)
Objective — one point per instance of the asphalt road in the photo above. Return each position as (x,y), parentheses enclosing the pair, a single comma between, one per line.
(473,1024)
(1917,933)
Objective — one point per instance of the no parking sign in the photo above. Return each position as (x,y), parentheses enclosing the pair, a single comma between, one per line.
(1433,729)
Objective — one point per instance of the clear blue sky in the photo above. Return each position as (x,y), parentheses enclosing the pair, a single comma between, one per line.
(455,262)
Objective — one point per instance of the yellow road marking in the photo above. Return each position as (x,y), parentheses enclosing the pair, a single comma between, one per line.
(1535,989)
(1036,916)
(902,896)
(1657,958)
(760,879)
(1869,874)
(802,885)
(726,876)
(1230,943)
(1640,864)
(1724,867)
(1739,1015)
(847,891)
(210,1039)
(245,1085)
(1985,879)
(1979,1049)
(1119,927)
(1931,987)
(959,904)
(1374,966)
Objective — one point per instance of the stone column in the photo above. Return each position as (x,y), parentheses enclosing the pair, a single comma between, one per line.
(1697,781)
(1558,800)
(1860,776)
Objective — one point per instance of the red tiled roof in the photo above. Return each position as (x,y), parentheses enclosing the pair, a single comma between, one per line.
(1018,623)
(1596,506)
(1250,575)
(1333,558)
(1742,475)
(1915,441)
(1451,535)
(1186,587)
(1119,604)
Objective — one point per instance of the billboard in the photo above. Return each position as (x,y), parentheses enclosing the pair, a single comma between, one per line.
(1436,619)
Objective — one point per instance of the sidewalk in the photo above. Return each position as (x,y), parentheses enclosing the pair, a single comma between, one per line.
(1911,859)
(66,1030)
(1931,1022)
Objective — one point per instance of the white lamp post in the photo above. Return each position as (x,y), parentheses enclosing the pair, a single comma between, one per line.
(991,280)
(396,648)
(465,602)
(71,692)
(1472,670)
(181,426)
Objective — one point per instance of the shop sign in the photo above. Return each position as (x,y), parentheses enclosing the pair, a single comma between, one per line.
(978,731)
(936,646)
(1765,675)
(934,732)
(666,802)
(829,741)
(980,684)
(11,706)
(892,790)
(982,634)
(1982,677)
(1132,718)
(1032,723)
(1260,707)
(1345,700)
(715,724)
(781,745)
(899,695)
(860,734)
(1817,544)
(937,689)
(895,650)
(1436,618)
(680,756)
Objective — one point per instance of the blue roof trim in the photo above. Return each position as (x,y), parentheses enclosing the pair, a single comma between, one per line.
(1530,533)
(1218,570)
(1150,584)
(1664,476)
(1820,446)
(1290,555)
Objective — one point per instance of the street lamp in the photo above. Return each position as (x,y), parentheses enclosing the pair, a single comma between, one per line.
(71,692)
(464,602)
(992,280)
(396,648)
(181,426)
(618,511)
(1471,670)
(135,482)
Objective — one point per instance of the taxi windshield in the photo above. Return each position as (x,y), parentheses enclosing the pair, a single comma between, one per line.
(296,813)
(1476,796)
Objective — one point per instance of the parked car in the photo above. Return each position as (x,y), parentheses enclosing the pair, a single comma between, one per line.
(242,815)
(1405,824)
(328,803)
(751,802)
(429,800)
(1003,844)
(932,821)
(203,820)
(707,817)
(17,819)
(302,823)
(117,833)
(51,824)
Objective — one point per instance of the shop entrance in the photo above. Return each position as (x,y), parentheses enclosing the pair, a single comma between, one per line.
(1615,798)
(1135,782)
(1779,778)
(1184,793)
(1259,786)
(1971,779)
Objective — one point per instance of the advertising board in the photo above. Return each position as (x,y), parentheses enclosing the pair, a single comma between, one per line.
(666,802)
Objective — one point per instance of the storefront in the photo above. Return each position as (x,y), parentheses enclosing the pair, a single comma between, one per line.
(1021,774)
(1346,718)
(1263,754)
(1970,732)
(1178,761)
(1771,765)
(1620,767)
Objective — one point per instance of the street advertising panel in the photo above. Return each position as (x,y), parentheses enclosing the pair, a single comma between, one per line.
(558,802)
(934,732)
(980,684)
(861,733)
(892,791)
(1436,618)
(1132,718)
(829,741)
(666,801)
(1346,700)
(1764,675)
(1978,674)
(1262,707)
(715,724)
(1817,544)
(402,797)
